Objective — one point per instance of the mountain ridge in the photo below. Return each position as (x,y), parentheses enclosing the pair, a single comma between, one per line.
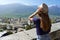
(22,10)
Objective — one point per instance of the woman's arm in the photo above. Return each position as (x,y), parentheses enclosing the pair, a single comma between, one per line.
(38,11)
(31,16)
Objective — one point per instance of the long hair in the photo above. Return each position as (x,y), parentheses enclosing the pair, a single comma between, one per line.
(45,22)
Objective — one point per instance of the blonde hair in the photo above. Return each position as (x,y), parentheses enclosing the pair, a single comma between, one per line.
(45,22)
(44,7)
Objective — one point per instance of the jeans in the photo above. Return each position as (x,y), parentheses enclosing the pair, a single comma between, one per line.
(43,37)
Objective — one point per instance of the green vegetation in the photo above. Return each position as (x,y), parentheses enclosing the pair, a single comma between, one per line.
(1,30)
(53,19)
(28,27)
(9,33)
(4,28)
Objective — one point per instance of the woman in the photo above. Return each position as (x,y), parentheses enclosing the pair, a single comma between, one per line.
(42,22)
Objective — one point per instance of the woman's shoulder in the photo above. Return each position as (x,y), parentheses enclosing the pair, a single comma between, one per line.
(35,19)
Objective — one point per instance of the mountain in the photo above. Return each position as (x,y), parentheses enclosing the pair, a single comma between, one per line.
(54,10)
(13,10)
(21,10)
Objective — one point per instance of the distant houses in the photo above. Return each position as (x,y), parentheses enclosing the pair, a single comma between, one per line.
(57,19)
(13,23)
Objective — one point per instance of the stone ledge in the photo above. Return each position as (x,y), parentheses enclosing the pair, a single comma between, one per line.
(30,34)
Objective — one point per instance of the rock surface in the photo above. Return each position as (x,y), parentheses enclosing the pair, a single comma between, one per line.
(30,34)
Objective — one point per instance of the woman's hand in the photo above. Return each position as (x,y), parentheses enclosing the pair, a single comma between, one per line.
(30,20)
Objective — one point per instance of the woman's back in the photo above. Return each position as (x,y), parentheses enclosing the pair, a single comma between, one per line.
(39,30)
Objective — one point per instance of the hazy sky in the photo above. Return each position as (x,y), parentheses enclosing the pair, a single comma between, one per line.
(31,2)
